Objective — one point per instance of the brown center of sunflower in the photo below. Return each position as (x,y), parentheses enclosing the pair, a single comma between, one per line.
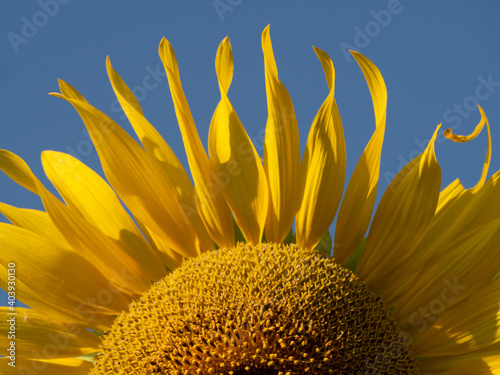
(266,309)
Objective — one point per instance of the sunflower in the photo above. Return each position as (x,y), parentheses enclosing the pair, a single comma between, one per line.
(232,272)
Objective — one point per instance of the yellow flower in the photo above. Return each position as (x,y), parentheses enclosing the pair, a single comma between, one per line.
(209,278)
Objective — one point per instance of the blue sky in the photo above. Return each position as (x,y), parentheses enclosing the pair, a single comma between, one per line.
(439,61)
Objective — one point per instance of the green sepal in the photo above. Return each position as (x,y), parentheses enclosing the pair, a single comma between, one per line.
(352,262)
(290,238)
(325,245)
(98,332)
(88,357)
(238,234)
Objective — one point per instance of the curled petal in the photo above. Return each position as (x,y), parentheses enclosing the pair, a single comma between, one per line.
(152,141)
(281,151)
(323,167)
(137,180)
(466,138)
(210,203)
(231,150)
(357,205)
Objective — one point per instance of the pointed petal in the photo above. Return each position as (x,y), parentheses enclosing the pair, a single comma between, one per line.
(70,92)
(211,204)
(323,167)
(224,65)
(134,176)
(230,148)
(403,215)
(35,334)
(151,140)
(449,195)
(357,205)
(484,204)
(281,151)
(159,151)
(84,190)
(15,167)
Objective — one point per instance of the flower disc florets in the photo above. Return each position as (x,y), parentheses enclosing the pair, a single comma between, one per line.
(265,309)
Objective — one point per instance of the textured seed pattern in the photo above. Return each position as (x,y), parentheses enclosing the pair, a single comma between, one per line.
(268,309)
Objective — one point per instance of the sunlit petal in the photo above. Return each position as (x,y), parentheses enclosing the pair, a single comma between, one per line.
(211,204)
(281,151)
(356,209)
(323,167)
(134,177)
(231,149)
(403,214)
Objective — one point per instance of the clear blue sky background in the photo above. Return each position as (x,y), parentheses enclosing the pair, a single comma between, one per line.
(435,58)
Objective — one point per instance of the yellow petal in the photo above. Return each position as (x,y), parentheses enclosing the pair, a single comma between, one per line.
(84,190)
(102,251)
(170,258)
(61,276)
(449,195)
(134,176)
(73,366)
(323,167)
(404,212)
(281,151)
(39,223)
(157,148)
(211,204)
(357,205)
(483,366)
(453,200)
(15,167)
(230,148)
(36,221)
(51,308)
(464,327)
(83,237)
(484,205)
(70,92)
(496,277)
(461,267)
(458,210)
(465,138)
(36,336)
(484,361)
(224,65)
